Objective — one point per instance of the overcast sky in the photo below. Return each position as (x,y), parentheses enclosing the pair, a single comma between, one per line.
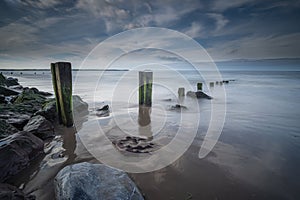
(36,32)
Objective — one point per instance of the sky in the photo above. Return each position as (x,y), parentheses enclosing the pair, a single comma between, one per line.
(35,33)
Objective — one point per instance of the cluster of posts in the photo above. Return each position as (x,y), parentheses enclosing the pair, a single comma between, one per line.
(62,85)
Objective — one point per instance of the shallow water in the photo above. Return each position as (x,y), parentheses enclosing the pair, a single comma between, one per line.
(257,155)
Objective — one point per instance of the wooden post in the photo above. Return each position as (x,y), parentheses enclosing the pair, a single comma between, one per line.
(199,86)
(63,91)
(181,92)
(211,84)
(55,91)
(145,88)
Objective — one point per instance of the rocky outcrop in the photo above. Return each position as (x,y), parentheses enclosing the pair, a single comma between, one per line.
(16,153)
(94,181)
(40,127)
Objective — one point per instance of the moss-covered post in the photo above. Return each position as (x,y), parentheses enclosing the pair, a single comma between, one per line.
(62,71)
(145,88)
(199,86)
(55,91)
(211,84)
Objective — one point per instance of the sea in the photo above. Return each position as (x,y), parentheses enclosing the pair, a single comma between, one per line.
(255,154)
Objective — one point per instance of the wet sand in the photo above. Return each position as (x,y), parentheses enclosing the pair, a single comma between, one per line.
(256,157)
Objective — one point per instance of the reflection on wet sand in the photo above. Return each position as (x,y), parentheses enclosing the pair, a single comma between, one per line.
(144,121)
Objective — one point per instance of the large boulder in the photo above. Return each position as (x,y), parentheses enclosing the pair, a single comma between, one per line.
(11,192)
(94,181)
(198,95)
(48,110)
(16,153)
(40,127)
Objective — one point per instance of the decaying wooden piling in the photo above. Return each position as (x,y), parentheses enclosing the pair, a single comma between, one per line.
(199,86)
(211,84)
(62,85)
(181,92)
(145,88)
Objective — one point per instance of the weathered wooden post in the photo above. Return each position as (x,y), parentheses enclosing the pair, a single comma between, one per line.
(181,92)
(199,86)
(62,85)
(217,82)
(145,88)
(211,84)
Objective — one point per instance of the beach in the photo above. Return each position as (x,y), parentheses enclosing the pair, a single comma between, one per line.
(256,157)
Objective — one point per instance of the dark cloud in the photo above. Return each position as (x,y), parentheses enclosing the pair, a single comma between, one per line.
(40,30)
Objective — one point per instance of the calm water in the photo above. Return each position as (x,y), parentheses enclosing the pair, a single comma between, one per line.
(256,157)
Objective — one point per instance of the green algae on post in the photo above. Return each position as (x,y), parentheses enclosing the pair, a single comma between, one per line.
(199,86)
(63,93)
(145,88)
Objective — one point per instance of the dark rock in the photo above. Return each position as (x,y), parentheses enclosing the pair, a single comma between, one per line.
(18,120)
(6,129)
(2,99)
(11,81)
(225,81)
(178,107)
(7,92)
(48,110)
(16,153)
(10,192)
(94,181)
(16,87)
(103,112)
(198,95)
(30,95)
(2,80)
(40,127)
(134,144)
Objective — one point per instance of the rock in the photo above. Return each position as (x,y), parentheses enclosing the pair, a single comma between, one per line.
(11,192)
(18,120)
(135,145)
(7,92)
(2,99)
(79,106)
(178,107)
(94,181)
(40,127)
(6,129)
(16,153)
(103,112)
(48,110)
(11,81)
(30,95)
(16,87)
(198,95)
(2,80)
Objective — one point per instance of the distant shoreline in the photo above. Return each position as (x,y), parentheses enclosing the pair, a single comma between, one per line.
(72,70)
